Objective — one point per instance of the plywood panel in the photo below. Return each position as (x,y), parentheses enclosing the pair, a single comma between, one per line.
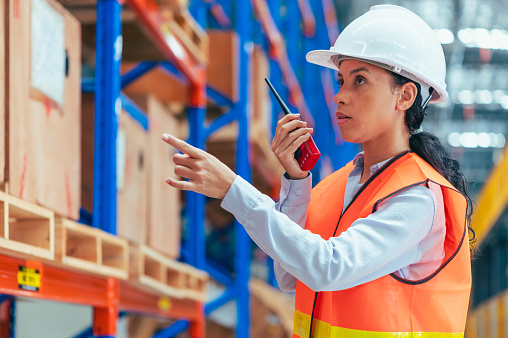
(132,179)
(44,138)
(163,201)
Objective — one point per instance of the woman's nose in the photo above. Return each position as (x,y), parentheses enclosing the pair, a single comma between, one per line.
(340,97)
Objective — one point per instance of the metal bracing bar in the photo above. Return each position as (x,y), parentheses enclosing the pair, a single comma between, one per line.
(219,122)
(215,271)
(172,330)
(88,85)
(242,240)
(134,111)
(225,297)
(218,98)
(171,69)
(134,73)
(107,109)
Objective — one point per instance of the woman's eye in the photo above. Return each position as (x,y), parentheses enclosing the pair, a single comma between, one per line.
(340,82)
(360,80)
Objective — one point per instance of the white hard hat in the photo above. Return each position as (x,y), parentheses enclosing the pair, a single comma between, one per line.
(396,39)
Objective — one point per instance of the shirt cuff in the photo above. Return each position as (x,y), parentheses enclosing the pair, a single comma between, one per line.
(295,193)
(240,199)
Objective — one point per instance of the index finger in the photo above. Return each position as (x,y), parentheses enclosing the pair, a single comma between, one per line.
(181,145)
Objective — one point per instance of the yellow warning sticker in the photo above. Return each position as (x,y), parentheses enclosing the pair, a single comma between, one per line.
(29,278)
(164,304)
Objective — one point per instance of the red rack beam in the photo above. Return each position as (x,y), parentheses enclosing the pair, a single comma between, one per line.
(58,284)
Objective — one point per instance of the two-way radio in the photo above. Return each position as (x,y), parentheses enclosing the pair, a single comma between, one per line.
(307,154)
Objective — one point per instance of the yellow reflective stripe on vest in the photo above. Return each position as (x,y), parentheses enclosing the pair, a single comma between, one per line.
(324,330)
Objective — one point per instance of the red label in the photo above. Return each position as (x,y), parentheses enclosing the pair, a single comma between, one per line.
(15,8)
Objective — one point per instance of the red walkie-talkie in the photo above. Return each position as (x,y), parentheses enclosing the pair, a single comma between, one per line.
(308,154)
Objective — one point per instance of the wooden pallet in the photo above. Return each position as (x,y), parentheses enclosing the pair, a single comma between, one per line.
(27,230)
(189,32)
(153,271)
(81,247)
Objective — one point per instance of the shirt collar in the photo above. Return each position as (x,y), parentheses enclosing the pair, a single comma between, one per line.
(358,163)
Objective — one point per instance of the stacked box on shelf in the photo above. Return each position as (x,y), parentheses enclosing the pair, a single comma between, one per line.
(163,201)
(43,110)
(131,172)
(223,63)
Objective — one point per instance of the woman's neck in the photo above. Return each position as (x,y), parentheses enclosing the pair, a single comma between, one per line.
(376,151)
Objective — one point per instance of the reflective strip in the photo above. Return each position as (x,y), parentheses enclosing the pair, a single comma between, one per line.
(324,330)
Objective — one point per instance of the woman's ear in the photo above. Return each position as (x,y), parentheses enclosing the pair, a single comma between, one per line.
(407,95)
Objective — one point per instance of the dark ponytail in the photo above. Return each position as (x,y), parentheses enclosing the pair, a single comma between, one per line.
(428,147)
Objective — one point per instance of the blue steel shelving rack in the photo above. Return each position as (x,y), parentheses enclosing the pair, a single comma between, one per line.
(109,100)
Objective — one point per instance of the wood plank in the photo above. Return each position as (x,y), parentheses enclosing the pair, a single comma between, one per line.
(43,137)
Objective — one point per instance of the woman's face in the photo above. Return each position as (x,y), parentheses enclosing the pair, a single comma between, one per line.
(366,102)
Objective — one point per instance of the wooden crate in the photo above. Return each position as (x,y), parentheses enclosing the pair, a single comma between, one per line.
(27,230)
(84,248)
(132,179)
(163,201)
(175,5)
(131,171)
(195,40)
(223,63)
(154,271)
(43,156)
(158,82)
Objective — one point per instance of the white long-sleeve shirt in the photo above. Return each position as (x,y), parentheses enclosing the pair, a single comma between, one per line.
(405,235)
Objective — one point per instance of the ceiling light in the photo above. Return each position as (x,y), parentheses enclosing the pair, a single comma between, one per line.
(454,139)
(445,36)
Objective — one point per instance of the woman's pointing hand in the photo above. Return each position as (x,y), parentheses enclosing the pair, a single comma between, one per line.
(207,175)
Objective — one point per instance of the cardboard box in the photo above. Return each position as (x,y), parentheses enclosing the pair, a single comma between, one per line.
(163,201)
(44,94)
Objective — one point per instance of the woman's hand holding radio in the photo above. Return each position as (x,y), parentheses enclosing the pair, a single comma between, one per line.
(207,175)
(290,134)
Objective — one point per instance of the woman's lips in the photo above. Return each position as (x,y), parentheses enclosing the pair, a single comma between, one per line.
(341,118)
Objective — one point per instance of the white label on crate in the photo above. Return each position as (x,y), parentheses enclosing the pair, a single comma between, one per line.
(48,51)
(121,139)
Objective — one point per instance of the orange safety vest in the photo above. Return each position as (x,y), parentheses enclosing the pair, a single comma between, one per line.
(388,306)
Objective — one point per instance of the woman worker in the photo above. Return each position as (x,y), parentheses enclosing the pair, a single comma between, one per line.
(380,247)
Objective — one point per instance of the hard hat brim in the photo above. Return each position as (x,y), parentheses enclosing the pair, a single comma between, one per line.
(323,58)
